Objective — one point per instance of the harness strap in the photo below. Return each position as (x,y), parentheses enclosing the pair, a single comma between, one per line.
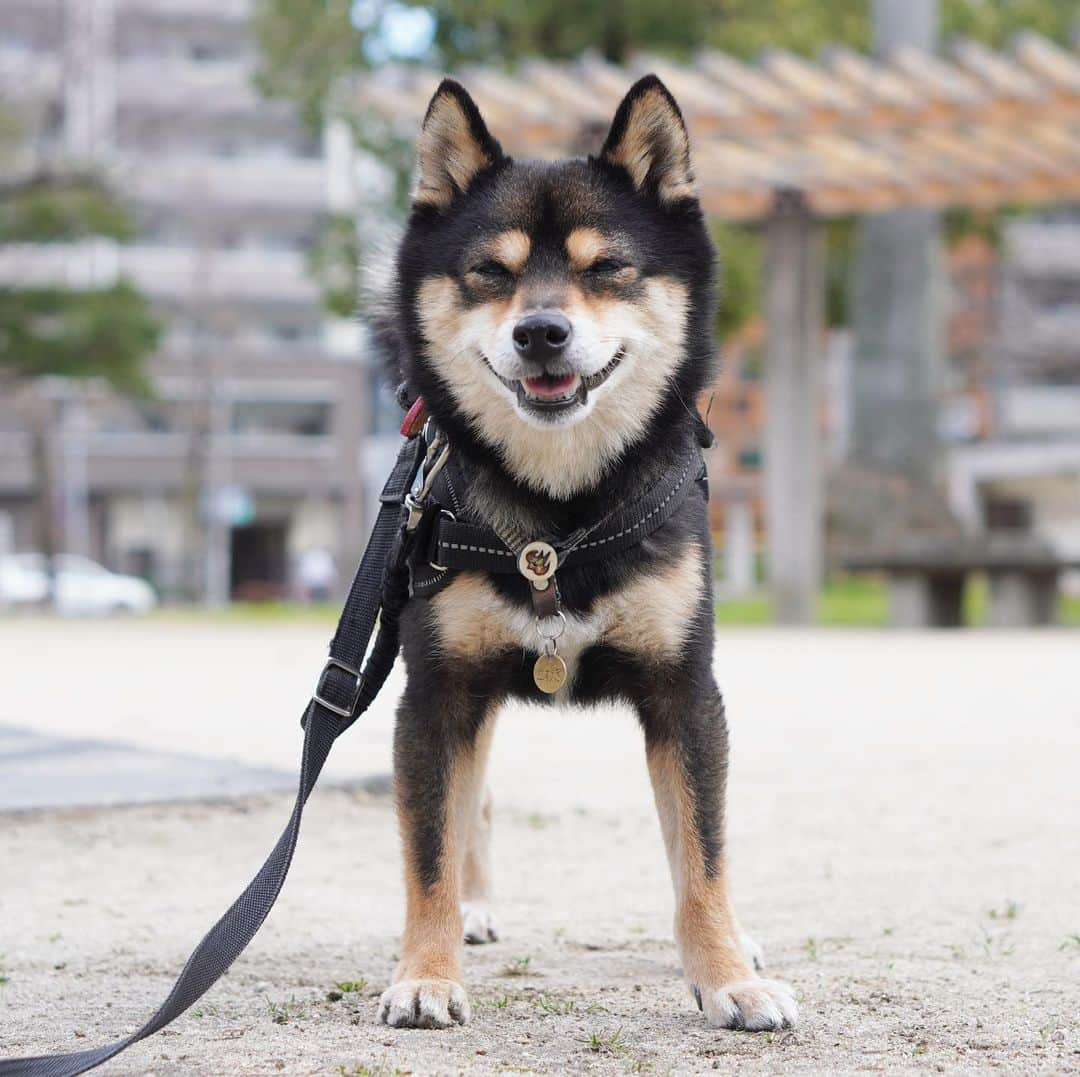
(456,544)
(379,590)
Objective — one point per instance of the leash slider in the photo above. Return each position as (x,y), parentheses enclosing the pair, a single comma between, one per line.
(337,708)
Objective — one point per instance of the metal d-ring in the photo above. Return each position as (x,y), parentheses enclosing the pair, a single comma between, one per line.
(450,516)
(560,624)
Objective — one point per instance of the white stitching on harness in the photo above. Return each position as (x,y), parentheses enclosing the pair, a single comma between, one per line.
(473,549)
(642,521)
(595,542)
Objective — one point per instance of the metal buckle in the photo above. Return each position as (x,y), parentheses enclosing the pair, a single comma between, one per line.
(450,516)
(341,712)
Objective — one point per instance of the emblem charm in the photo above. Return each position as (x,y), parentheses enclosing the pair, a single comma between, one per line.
(549,673)
(537,562)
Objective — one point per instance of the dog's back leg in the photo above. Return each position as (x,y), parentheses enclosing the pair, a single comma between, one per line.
(476,873)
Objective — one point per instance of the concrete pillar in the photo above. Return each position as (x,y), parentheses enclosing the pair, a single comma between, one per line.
(920,599)
(739,575)
(898,295)
(75,492)
(1022,599)
(794,307)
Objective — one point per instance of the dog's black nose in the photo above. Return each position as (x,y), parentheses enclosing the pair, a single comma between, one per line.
(542,335)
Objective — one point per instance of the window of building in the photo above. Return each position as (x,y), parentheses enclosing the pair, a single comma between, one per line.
(750,458)
(298,418)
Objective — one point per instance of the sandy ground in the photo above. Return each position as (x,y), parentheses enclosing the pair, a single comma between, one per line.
(905,836)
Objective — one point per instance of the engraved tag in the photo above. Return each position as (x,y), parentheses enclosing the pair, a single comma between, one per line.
(549,673)
(538,562)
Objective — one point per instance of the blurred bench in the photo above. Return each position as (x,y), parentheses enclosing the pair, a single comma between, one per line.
(926,580)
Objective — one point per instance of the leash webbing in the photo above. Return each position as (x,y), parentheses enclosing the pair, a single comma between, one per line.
(378,591)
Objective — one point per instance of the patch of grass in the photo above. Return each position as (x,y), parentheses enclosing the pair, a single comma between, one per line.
(282,1013)
(502,1002)
(379,1068)
(1070,942)
(845,601)
(349,987)
(245,612)
(539,821)
(1009,911)
(811,948)
(862,601)
(517,966)
(609,1042)
(1069,610)
(996,945)
(559,1007)
(4,977)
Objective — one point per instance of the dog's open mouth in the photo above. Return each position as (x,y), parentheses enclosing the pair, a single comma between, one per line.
(552,393)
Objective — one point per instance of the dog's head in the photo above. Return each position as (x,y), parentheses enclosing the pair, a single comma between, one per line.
(556,312)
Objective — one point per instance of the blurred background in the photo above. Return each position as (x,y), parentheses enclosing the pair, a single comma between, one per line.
(193,429)
(189,412)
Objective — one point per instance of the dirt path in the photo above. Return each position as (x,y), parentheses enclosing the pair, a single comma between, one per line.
(905,833)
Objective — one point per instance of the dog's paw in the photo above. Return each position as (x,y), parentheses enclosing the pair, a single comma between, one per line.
(424,1004)
(750,1005)
(754,954)
(479,923)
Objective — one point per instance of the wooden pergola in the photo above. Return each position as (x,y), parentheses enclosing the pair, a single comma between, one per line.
(787,142)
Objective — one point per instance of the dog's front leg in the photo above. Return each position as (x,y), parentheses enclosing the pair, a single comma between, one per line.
(439,747)
(687,747)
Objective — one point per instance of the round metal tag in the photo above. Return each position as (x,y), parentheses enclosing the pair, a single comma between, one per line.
(549,673)
(538,561)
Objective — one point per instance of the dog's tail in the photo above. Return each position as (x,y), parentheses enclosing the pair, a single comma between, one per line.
(377,301)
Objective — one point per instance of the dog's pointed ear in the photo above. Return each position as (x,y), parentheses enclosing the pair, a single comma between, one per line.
(454,146)
(648,139)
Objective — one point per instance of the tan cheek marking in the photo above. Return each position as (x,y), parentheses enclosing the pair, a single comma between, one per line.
(438,307)
(442,316)
(471,619)
(651,617)
(666,306)
(602,308)
(512,249)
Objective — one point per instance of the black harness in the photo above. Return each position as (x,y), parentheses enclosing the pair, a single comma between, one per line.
(416,542)
(448,542)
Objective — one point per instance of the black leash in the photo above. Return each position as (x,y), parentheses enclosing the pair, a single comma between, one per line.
(408,517)
(379,591)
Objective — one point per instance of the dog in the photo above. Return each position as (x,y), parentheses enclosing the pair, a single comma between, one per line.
(556,319)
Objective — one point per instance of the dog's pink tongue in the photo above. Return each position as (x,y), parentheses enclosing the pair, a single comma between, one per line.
(550,385)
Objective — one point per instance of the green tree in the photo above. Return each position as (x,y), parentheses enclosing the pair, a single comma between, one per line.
(295,64)
(52,331)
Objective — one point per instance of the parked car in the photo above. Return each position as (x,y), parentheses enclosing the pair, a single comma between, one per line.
(82,586)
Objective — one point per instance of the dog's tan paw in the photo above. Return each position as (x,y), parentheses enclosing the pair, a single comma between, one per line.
(424,1004)
(479,923)
(750,1005)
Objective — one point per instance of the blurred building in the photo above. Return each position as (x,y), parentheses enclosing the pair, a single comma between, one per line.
(1026,476)
(250,454)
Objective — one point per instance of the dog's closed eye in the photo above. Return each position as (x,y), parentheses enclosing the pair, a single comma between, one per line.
(490,268)
(606,265)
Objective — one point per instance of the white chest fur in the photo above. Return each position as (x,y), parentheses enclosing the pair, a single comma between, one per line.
(650,617)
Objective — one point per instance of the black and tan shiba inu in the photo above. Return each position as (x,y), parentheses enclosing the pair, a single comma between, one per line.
(556,320)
